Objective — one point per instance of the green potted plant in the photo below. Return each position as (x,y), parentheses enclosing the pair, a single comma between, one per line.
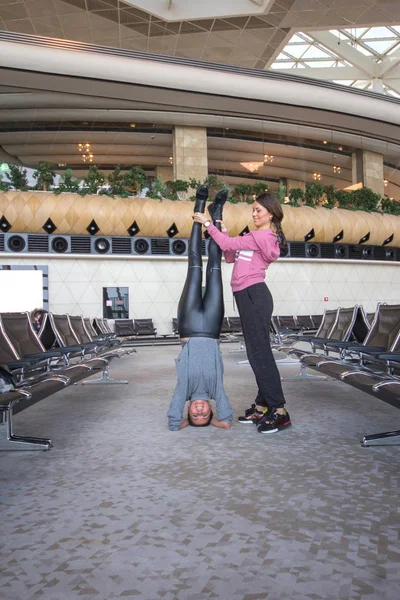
(242,191)
(281,192)
(158,189)
(45,175)
(390,207)
(134,180)
(116,185)
(178,188)
(313,194)
(4,186)
(93,181)
(258,188)
(67,183)
(296,196)
(17,177)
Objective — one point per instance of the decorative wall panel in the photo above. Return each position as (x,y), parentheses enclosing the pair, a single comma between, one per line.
(155,284)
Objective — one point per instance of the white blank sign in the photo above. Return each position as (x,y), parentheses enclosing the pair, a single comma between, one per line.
(20,290)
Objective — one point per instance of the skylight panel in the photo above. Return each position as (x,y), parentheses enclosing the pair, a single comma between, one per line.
(361,84)
(296,39)
(381,46)
(283,65)
(320,64)
(377,32)
(314,52)
(297,50)
(357,32)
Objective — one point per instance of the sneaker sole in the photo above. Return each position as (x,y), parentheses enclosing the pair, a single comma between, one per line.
(276,429)
(246,422)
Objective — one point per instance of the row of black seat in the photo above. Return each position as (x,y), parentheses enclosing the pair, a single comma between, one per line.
(135,327)
(34,366)
(358,349)
(145,327)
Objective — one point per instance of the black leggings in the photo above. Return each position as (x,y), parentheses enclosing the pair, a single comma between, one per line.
(201,316)
(255,307)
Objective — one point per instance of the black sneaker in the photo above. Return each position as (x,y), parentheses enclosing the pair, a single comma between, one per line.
(274,422)
(250,415)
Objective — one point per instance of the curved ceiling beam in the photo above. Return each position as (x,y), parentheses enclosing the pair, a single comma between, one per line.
(187,78)
(33,98)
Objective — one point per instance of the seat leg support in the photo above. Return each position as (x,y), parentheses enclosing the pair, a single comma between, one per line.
(105,378)
(388,438)
(240,349)
(303,374)
(288,361)
(10,441)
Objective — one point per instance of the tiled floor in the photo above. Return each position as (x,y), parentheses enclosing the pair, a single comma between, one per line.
(123,508)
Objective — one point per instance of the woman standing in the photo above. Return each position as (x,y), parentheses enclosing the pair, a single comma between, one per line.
(252,254)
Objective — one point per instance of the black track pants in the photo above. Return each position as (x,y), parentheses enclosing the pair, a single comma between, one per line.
(255,307)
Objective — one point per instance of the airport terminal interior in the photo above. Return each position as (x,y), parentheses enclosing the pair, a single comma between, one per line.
(117,120)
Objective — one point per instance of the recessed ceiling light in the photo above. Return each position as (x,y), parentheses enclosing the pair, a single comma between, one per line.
(132,125)
(325,142)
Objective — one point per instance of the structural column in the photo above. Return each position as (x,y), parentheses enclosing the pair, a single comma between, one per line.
(367,168)
(190,153)
(165,173)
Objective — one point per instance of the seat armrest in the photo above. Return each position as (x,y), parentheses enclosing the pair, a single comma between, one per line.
(21,364)
(365,349)
(43,355)
(393,356)
(335,344)
(68,349)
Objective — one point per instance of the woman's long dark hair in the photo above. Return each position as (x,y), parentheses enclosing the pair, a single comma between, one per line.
(271,203)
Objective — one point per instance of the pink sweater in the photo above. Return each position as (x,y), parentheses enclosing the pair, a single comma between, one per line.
(252,254)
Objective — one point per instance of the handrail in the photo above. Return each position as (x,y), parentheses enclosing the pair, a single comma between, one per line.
(60,44)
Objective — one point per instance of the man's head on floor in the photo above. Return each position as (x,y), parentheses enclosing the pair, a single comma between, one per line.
(200,413)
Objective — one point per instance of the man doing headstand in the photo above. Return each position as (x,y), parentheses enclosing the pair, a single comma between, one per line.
(199,365)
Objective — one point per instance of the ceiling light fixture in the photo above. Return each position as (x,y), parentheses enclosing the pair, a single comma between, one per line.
(317,176)
(325,142)
(252,166)
(83,147)
(268,158)
(336,169)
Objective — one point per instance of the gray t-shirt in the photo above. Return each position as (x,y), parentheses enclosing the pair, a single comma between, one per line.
(200,372)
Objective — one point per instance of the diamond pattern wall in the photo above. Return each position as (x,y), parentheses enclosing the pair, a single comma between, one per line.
(155,284)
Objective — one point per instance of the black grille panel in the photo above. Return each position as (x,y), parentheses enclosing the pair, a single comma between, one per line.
(1,243)
(355,252)
(327,250)
(38,243)
(160,246)
(121,245)
(380,253)
(80,244)
(297,249)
